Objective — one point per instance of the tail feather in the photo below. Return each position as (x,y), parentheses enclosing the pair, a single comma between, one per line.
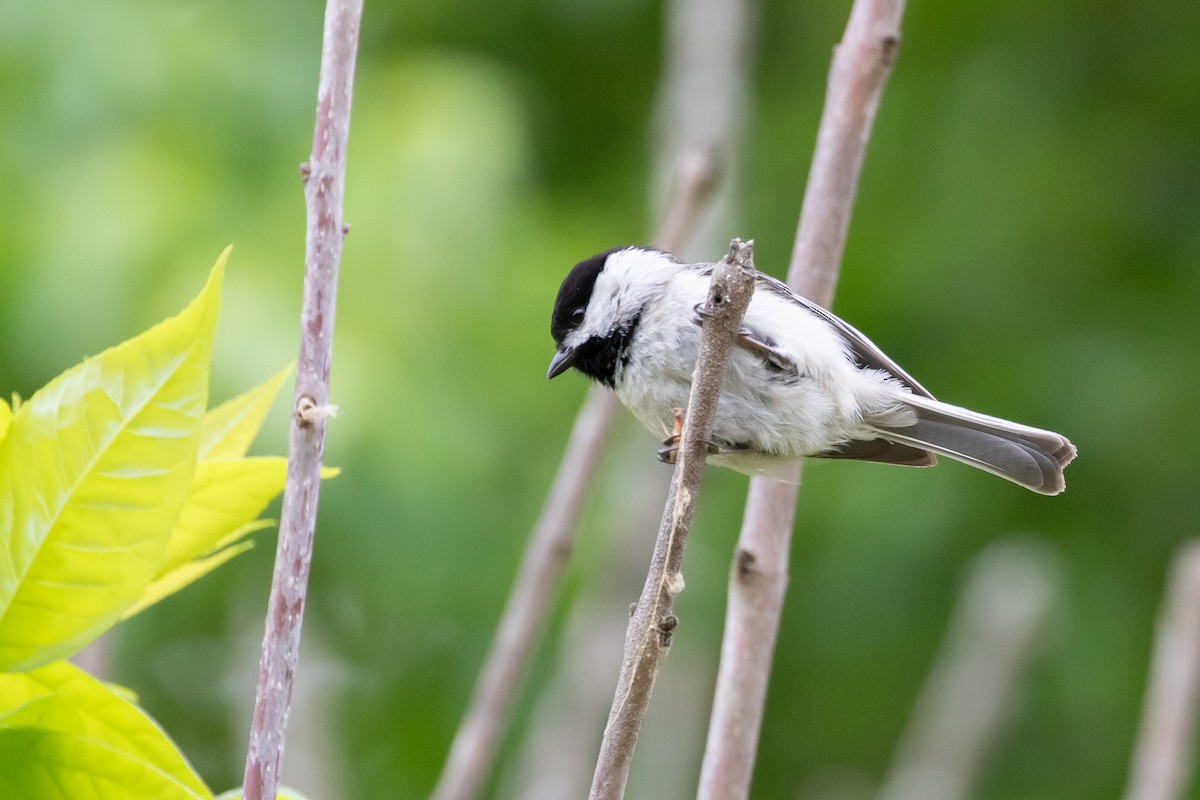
(1030,457)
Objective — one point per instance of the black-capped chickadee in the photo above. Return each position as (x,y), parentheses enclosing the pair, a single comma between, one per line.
(800,382)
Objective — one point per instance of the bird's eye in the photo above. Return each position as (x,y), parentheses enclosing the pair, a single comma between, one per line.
(577,317)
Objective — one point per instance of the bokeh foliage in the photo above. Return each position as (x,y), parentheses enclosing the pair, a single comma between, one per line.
(1025,242)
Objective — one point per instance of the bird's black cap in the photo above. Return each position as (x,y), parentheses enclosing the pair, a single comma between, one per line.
(576,291)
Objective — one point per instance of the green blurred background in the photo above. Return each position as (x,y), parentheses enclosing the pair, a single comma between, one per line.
(1025,242)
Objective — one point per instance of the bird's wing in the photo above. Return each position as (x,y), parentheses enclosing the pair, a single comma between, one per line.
(866,353)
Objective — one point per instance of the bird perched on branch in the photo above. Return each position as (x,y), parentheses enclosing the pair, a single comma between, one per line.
(800,382)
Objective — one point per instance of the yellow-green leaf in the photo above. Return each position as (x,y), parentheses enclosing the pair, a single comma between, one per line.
(5,418)
(189,572)
(231,427)
(93,475)
(223,496)
(66,736)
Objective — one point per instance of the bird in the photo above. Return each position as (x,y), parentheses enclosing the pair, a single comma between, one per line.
(800,383)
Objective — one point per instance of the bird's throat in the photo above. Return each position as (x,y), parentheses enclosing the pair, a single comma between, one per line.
(603,358)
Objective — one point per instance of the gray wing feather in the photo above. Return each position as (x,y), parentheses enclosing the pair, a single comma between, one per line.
(866,353)
(882,451)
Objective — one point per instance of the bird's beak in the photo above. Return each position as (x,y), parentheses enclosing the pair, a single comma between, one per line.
(561,362)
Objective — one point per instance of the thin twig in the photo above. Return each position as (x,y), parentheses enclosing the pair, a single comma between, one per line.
(699,112)
(324,182)
(1164,753)
(701,100)
(861,66)
(477,740)
(694,182)
(473,751)
(650,628)
(703,96)
(968,696)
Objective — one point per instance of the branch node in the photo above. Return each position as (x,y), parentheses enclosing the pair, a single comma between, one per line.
(888,45)
(665,630)
(308,412)
(345,228)
(305,171)
(746,569)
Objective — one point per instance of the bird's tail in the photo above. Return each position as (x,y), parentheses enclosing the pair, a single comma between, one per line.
(1029,457)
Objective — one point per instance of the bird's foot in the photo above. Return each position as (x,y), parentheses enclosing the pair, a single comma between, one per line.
(669,452)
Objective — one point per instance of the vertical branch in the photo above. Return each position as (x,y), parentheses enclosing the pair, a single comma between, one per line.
(478,738)
(965,702)
(650,629)
(757,584)
(1164,753)
(861,66)
(545,559)
(695,178)
(699,121)
(702,99)
(324,181)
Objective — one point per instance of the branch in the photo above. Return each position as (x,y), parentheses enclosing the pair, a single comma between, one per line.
(965,701)
(324,181)
(695,180)
(650,628)
(701,100)
(861,66)
(475,745)
(1163,755)
(758,581)
(703,96)
(473,751)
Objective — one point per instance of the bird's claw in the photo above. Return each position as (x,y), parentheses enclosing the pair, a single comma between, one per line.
(669,452)
(670,449)
(702,312)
